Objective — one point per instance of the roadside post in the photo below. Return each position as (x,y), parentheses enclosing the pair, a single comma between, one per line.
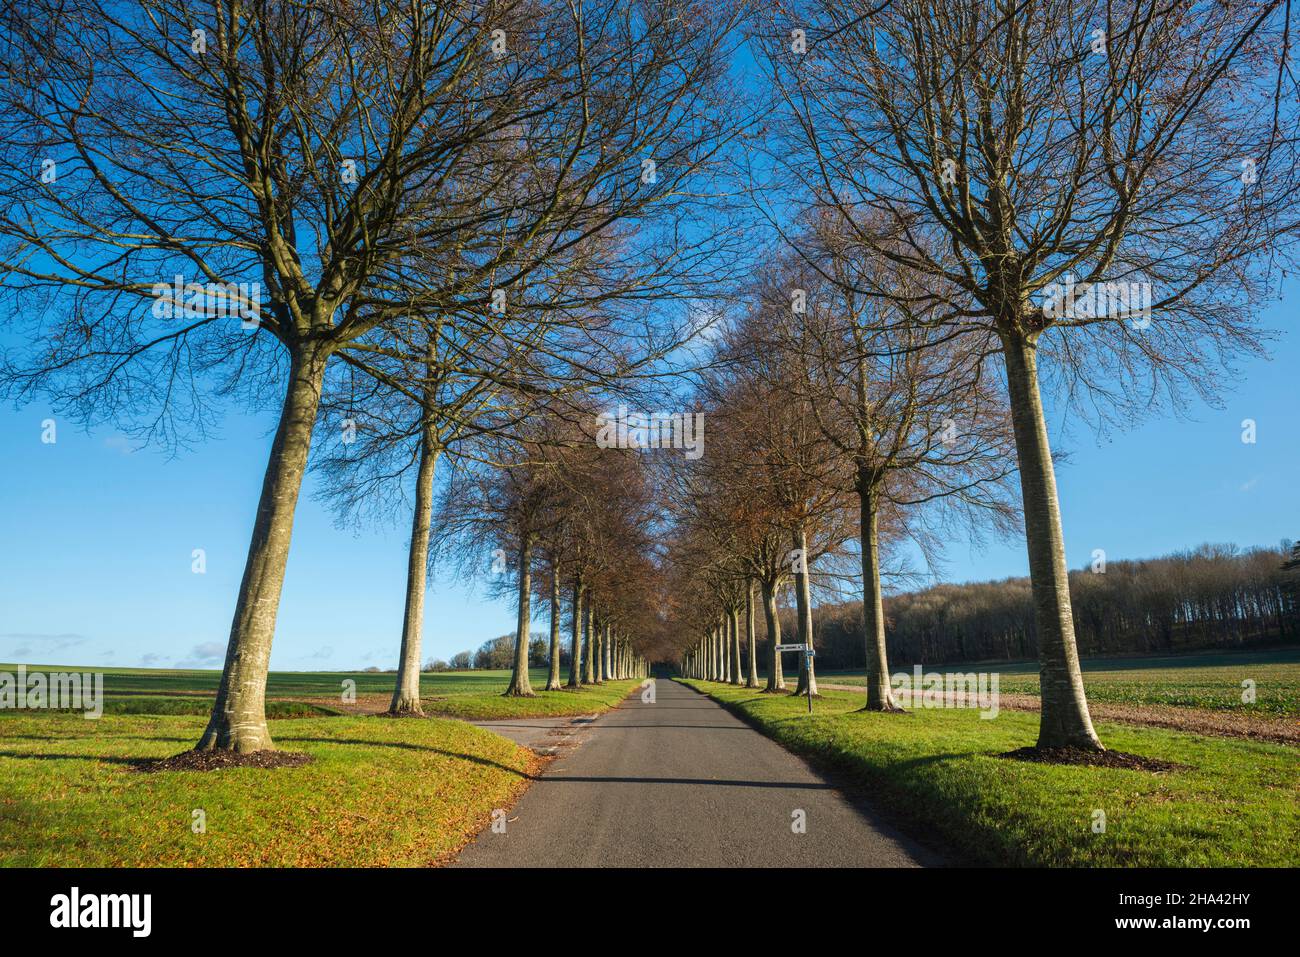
(808,656)
(808,666)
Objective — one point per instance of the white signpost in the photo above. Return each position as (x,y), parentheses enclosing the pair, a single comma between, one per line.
(809,653)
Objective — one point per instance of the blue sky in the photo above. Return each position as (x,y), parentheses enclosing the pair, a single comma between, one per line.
(98,538)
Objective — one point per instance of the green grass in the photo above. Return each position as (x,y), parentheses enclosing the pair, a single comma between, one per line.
(587,700)
(380,792)
(461,694)
(203,705)
(1191,681)
(937,772)
(144,682)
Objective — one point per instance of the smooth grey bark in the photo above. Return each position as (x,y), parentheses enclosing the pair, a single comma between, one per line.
(733,641)
(724,655)
(751,675)
(605,666)
(553,675)
(588,669)
(575,648)
(803,602)
(775,677)
(1064,720)
(238,720)
(406,695)
(520,687)
(879,694)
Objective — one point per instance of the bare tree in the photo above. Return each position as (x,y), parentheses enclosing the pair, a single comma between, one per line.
(910,415)
(309,153)
(1107,184)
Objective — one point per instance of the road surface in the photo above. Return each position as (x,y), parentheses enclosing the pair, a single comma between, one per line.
(682,782)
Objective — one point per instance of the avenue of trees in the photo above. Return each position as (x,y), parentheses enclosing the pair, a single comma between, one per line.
(283,201)
(438,241)
(996,159)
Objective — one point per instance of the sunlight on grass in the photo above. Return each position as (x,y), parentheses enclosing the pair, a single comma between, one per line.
(379,792)
(938,771)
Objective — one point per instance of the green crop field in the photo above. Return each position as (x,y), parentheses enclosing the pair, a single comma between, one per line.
(467,694)
(1193,681)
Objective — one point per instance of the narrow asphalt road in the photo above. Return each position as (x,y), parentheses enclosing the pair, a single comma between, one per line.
(681,782)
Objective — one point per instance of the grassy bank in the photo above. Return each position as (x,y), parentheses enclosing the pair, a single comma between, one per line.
(486,706)
(937,772)
(379,792)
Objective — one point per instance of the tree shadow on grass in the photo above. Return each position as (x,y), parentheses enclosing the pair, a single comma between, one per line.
(407,746)
(82,737)
(32,756)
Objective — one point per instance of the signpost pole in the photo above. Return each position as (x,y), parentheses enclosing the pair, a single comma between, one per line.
(808,658)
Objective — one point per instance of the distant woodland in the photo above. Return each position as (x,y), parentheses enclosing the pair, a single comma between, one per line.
(1214,596)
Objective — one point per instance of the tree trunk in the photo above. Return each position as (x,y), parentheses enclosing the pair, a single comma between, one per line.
(553,676)
(520,687)
(406,696)
(588,668)
(724,651)
(803,602)
(775,677)
(575,649)
(751,676)
(238,720)
(879,695)
(605,656)
(1064,720)
(733,642)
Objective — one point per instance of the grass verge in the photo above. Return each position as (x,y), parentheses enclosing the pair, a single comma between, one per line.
(588,699)
(377,793)
(937,773)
